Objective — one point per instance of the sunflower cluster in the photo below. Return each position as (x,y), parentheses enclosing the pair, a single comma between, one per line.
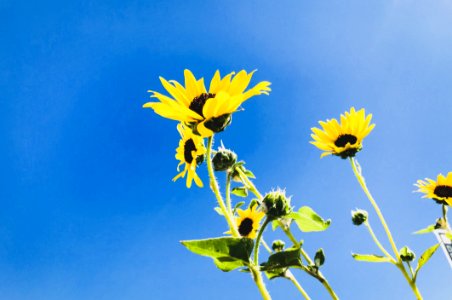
(202,112)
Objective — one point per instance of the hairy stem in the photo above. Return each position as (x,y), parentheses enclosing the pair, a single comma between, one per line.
(216,190)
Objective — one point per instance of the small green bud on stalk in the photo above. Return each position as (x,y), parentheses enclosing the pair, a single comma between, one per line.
(359,216)
(278,245)
(276,205)
(406,254)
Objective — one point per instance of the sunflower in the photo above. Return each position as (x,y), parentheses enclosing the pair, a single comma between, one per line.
(190,152)
(439,190)
(248,221)
(343,139)
(206,112)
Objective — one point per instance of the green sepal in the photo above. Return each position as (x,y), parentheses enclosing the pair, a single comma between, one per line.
(228,253)
(282,260)
(429,228)
(238,205)
(308,220)
(240,191)
(319,258)
(370,258)
(424,258)
(275,225)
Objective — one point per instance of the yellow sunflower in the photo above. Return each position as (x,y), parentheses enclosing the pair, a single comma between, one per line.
(343,139)
(248,221)
(190,152)
(206,112)
(439,190)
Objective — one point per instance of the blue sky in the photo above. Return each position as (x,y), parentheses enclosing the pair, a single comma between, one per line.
(88,209)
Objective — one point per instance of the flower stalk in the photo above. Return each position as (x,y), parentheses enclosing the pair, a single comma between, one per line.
(216,190)
(398,263)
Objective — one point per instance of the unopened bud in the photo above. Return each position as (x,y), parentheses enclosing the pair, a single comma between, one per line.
(359,216)
(406,254)
(223,159)
(278,245)
(276,204)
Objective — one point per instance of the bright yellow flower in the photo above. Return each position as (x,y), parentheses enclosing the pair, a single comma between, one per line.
(343,139)
(205,112)
(248,221)
(190,152)
(439,190)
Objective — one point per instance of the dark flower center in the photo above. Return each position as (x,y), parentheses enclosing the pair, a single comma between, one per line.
(443,191)
(198,103)
(344,139)
(246,226)
(188,148)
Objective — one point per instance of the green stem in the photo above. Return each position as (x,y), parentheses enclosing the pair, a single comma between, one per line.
(291,277)
(377,242)
(399,263)
(362,182)
(228,193)
(266,246)
(446,222)
(257,277)
(258,240)
(411,269)
(216,190)
(319,276)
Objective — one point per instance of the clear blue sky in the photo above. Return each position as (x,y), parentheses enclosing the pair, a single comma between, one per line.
(88,209)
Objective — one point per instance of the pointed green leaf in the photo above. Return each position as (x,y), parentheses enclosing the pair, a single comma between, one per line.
(427,229)
(308,220)
(425,257)
(283,259)
(370,258)
(275,225)
(249,174)
(449,235)
(238,205)
(218,210)
(228,253)
(240,191)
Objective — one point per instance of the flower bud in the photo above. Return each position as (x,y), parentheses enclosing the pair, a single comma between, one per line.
(276,204)
(278,245)
(359,216)
(406,254)
(223,159)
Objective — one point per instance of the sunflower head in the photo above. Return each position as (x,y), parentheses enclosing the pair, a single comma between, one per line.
(248,221)
(439,190)
(206,111)
(190,153)
(343,139)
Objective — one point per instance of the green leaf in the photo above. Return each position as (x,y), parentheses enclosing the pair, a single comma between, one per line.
(276,273)
(240,191)
(218,210)
(249,174)
(308,220)
(370,257)
(319,258)
(282,260)
(427,229)
(275,225)
(238,205)
(449,235)
(228,253)
(425,257)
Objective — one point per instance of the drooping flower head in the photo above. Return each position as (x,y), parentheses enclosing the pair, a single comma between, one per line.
(343,139)
(190,152)
(248,221)
(439,190)
(206,112)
